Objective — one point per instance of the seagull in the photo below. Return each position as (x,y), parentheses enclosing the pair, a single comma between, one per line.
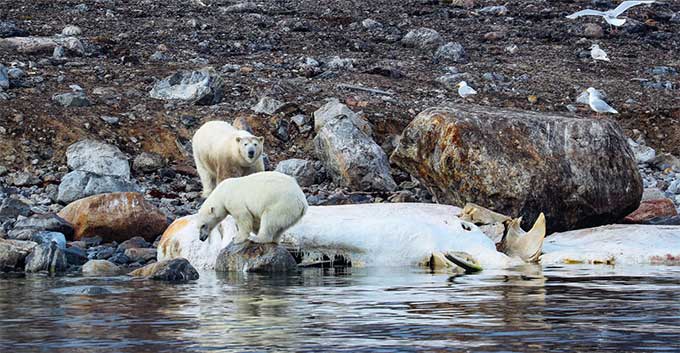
(464,90)
(597,104)
(611,15)
(597,53)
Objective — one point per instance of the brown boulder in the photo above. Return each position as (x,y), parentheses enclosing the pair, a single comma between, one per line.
(650,209)
(115,217)
(579,172)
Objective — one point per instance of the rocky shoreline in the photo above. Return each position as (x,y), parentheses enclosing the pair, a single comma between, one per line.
(98,107)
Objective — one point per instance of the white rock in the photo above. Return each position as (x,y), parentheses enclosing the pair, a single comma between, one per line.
(71,31)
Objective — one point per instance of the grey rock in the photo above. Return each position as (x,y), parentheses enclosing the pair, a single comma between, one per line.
(243,7)
(59,53)
(351,157)
(10,29)
(12,208)
(72,100)
(451,52)
(255,257)
(494,10)
(73,46)
(24,179)
(22,233)
(663,71)
(100,268)
(175,270)
(643,154)
(204,87)
(45,222)
(371,24)
(43,237)
(111,120)
(333,109)
(423,38)
(267,105)
(75,256)
(47,257)
(15,73)
(98,158)
(132,243)
(81,8)
(148,162)
(666,160)
(337,63)
(13,254)
(71,31)
(674,187)
(302,170)
(514,163)
(159,56)
(493,76)
(101,252)
(141,255)
(652,194)
(80,184)
(4,78)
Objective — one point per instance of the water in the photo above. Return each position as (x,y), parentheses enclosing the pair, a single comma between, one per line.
(528,309)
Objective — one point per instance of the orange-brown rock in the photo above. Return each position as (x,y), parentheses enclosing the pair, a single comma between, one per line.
(115,217)
(650,209)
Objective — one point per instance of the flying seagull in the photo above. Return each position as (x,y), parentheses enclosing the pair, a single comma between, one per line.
(597,53)
(464,90)
(597,104)
(611,15)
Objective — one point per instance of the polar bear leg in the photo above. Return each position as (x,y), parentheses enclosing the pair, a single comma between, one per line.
(271,228)
(244,223)
(207,179)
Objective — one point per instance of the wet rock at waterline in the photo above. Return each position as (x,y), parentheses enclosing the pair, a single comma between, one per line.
(651,209)
(255,257)
(174,270)
(47,257)
(13,254)
(100,268)
(352,158)
(115,217)
(579,172)
(204,87)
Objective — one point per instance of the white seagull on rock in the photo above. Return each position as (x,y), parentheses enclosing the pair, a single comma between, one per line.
(597,53)
(464,90)
(611,15)
(597,104)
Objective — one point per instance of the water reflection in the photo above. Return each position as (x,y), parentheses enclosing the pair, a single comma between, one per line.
(589,308)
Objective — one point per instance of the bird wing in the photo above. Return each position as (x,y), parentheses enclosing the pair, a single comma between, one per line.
(628,4)
(587,12)
(601,106)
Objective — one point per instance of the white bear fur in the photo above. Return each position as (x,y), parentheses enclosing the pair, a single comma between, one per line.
(221,152)
(267,203)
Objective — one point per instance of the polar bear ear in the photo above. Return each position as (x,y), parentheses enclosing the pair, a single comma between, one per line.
(238,140)
(261,139)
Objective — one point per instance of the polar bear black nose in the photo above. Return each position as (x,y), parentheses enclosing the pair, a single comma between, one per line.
(251,154)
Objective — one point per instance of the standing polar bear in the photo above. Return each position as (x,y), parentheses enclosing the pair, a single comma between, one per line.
(221,151)
(267,203)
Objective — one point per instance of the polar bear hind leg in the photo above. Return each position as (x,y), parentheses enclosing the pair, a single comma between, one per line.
(244,223)
(207,178)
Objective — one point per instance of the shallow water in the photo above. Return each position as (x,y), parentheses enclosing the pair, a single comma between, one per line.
(528,309)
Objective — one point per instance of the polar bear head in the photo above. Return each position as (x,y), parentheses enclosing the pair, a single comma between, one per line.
(249,148)
(209,216)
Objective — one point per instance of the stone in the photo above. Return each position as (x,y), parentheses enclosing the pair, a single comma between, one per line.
(664,161)
(242,7)
(115,217)
(44,237)
(466,4)
(204,87)
(29,45)
(674,187)
(11,208)
(643,154)
(24,179)
(592,30)
(267,105)
(651,209)
(13,254)
(422,38)
(141,255)
(370,23)
(579,172)
(4,77)
(255,257)
(98,158)
(75,256)
(337,63)
(147,162)
(78,184)
(159,56)
(71,31)
(46,257)
(72,100)
(133,243)
(15,73)
(100,268)
(494,10)
(10,29)
(174,270)
(652,194)
(111,120)
(302,170)
(352,158)
(333,109)
(451,52)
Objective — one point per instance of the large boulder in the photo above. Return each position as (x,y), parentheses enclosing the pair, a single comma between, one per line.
(422,38)
(97,168)
(579,172)
(100,268)
(334,109)
(13,254)
(49,222)
(302,170)
(204,87)
(255,257)
(115,217)
(11,208)
(351,157)
(173,270)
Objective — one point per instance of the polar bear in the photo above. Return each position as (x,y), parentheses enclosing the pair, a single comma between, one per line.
(267,203)
(221,151)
